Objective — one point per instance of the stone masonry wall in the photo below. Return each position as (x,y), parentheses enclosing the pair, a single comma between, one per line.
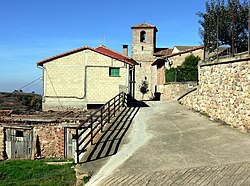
(170,91)
(143,53)
(223,92)
(1,143)
(51,140)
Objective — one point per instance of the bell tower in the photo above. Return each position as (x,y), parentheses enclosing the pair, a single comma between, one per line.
(143,47)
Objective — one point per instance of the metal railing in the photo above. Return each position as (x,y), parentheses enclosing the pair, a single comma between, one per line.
(88,129)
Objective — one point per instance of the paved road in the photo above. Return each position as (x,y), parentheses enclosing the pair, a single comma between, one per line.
(167,144)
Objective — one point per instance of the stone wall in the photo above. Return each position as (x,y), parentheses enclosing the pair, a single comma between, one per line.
(1,143)
(50,139)
(223,92)
(143,53)
(170,91)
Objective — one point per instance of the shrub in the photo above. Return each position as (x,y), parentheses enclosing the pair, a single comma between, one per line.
(182,74)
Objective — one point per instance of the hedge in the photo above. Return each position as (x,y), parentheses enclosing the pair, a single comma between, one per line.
(181,74)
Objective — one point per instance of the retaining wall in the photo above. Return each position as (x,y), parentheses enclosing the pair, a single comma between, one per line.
(174,90)
(223,92)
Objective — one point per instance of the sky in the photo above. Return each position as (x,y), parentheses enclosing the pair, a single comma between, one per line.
(34,30)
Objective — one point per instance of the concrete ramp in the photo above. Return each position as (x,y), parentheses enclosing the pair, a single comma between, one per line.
(168,144)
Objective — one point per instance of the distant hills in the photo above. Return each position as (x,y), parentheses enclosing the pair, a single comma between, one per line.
(20,102)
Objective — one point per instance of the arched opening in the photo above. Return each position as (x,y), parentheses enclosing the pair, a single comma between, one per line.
(143,37)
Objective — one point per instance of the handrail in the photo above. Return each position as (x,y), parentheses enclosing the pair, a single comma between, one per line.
(96,121)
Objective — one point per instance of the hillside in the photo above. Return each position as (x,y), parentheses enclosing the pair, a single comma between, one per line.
(20,102)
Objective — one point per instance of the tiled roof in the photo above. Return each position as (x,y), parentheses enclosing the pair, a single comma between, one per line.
(144,25)
(163,57)
(101,49)
(185,51)
(163,51)
(183,48)
(111,53)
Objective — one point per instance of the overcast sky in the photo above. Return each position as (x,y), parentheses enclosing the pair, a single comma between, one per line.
(32,30)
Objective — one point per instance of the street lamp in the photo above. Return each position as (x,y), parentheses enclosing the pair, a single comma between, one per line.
(170,62)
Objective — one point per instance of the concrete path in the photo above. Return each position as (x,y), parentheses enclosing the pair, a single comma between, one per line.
(168,144)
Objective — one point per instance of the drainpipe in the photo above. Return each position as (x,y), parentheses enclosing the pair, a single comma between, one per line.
(43,88)
(128,88)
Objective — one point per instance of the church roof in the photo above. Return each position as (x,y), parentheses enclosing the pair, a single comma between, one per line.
(163,51)
(144,25)
(101,49)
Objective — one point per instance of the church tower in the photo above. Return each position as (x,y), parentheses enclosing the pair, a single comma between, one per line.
(143,48)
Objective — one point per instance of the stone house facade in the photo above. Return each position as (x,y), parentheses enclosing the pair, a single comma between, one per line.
(175,57)
(46,135)
(85,76)
(32,141)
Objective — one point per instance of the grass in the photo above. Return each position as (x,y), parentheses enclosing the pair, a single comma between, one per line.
(29,172)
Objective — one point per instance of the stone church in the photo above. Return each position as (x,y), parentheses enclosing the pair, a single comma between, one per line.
(153,61)
(143,49)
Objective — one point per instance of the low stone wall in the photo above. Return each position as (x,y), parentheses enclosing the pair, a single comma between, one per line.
(223,92)
(50,140)
(1,143)
(174,90)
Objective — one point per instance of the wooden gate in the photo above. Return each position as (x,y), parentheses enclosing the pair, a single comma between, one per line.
(70,142)
(18,143)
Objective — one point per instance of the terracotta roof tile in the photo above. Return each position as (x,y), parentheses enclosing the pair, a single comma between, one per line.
(101,49)
(144,25)
(185,51)
(163,57)
(111,53)
(183,48)
(163,51)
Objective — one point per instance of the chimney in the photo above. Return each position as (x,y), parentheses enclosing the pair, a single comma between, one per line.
(125,50)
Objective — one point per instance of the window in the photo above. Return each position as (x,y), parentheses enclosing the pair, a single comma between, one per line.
(19,133)
(114,72)
(143,37)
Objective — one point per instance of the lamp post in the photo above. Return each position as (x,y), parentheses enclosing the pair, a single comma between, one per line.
(170,63)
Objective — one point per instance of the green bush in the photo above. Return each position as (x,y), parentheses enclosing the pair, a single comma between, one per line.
(171,75)
(191,61)
(182,74)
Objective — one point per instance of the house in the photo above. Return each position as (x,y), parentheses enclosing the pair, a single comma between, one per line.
(42,135)
(86,76)
(167,58)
